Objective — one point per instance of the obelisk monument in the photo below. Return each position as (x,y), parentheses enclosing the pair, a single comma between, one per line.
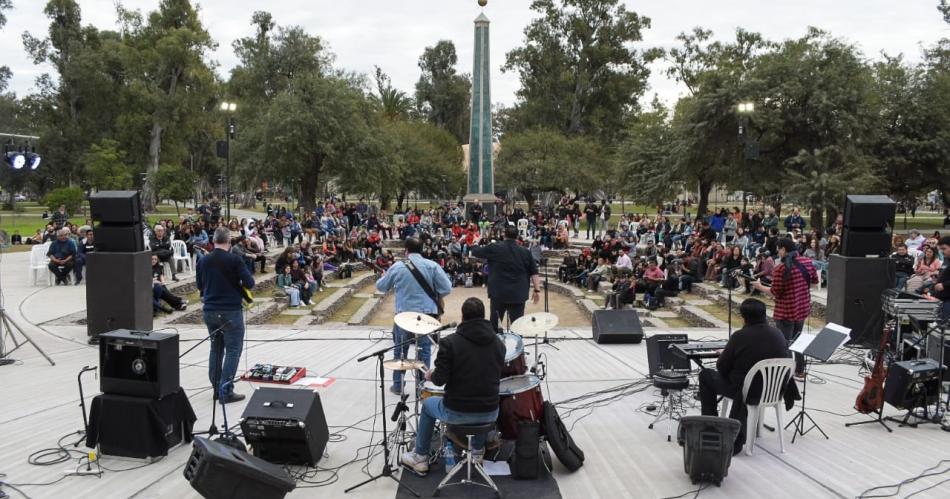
(481,178)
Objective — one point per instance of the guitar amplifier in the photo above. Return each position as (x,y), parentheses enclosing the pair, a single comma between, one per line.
(661,356)
(138,363)
(286,426)
(913,383)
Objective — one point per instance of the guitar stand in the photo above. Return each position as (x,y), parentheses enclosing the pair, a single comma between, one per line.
(880,419)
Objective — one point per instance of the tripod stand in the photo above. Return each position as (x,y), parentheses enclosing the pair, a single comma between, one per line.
(799,419)
(544,261)
(9,329)
(217,343)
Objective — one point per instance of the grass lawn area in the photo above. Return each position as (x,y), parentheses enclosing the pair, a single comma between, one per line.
(347,310)
(676,322)
(286,319)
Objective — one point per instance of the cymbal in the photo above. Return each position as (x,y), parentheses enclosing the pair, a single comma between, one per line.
(417,322)
(403,364)
(534,325)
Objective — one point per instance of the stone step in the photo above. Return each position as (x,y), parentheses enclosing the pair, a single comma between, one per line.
(362,314)
(699,317)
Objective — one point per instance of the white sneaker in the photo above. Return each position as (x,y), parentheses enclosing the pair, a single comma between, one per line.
(418,464)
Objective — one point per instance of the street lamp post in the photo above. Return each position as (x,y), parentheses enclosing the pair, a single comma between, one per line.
(228,107)
(745,109)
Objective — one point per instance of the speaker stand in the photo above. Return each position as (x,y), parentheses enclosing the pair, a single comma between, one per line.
(9,329)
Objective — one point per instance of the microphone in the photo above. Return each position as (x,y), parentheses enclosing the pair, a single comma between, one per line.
(447,326)
(400,406)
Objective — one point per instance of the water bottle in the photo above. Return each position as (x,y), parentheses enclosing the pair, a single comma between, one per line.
(449,455)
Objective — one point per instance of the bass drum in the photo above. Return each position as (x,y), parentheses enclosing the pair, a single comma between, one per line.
(521,400)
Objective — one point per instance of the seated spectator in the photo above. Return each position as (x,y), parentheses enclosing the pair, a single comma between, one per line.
(653,277)
(161,245)
(602,273)
(62,256)
(86,245)
(926,272)
(36,238)
(16,238)
(161,294)
(301,282)
(731,263)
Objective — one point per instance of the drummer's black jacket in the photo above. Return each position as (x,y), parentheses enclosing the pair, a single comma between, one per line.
(469,364)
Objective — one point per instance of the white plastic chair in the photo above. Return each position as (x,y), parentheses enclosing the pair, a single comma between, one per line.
(39,263)
(775,374)
(523,227)
(180,254)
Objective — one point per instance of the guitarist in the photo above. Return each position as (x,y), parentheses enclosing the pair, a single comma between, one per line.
(420,286)
(221,278)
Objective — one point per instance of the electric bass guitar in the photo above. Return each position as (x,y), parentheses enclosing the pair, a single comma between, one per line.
(871,397)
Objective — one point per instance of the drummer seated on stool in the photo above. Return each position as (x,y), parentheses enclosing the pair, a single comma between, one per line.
(469,365)
(756,341)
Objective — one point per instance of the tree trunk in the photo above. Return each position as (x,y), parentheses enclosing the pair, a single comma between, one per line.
(817,219)
(149,194)
(384,200)
(705,186)
(400,197)
(529,196)
(177,211)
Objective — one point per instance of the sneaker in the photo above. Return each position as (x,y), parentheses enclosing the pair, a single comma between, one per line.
(175,278)
(395,390)
(78,281)
(418,464)
(800,377)
(234,397)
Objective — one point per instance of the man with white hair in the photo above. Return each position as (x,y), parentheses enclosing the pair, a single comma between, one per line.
(914,242)
(62,256)
(161,245)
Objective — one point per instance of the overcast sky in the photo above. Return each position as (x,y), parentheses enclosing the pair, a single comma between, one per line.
(392,34)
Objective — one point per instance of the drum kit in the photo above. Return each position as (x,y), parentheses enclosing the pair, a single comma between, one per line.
(520,391)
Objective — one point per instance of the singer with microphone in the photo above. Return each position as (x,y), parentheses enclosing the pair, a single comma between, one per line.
(469,365)
(220,278)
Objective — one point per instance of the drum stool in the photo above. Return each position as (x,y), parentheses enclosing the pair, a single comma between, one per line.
(468,459)
(670,383)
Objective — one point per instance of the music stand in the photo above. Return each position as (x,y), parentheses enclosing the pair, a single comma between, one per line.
(819,346)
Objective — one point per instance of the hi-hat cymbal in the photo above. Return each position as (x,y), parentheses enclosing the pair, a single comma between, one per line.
(417,322)
(403,364)
(533,325)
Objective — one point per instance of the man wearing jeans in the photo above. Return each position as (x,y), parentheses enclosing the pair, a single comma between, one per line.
(411,297)
(469,365)
(220,275)
(791,287)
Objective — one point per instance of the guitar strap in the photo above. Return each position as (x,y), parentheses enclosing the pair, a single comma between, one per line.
(426,287)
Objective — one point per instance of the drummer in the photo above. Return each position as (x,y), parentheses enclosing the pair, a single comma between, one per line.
(411,296)
(469,364)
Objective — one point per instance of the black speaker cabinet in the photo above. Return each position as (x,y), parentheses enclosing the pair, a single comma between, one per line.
(116,207)
(913,383)
(854,294)
(138,363)
(139,427)
(118,292)
(864,243)
(707,443)
(217,471)
(119,238)
(617,326)
(286,426)
(872,213)
(933,351)
(659,355)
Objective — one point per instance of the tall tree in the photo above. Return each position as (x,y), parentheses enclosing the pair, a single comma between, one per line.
(580,70)
(5,73)
(643,158)
(166,59)
(393,103)
(106,168)
(443,96)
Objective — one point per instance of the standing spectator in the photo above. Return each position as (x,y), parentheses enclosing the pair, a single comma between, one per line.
(590,212)
(60,217)
(86,246)
(62,256)
(511,271)
(220,277)
(791,288)
(604,215)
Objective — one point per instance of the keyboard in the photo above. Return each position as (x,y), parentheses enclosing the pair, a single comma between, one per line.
(699,349)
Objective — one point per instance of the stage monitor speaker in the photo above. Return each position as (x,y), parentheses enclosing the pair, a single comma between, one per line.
(138,363)
(617,326)
(118,292)
(217,471)
(871,213)
(863,243)
(854,295)
(286,426)
(913,383)
(707,442)
(659,355)
(119,238)
(116,207)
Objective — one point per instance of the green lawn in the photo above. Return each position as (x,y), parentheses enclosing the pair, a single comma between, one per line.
(349,308)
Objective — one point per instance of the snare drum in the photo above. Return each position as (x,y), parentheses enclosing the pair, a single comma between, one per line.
(429,389)
(521,400)
(515,362)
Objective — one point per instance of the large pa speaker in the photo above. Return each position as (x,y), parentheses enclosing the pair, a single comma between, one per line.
(116,207)
(659,355)
(286,426)
(617,326)
(118,292)
(854,293)
(138,363)
(865,243)
(119,238)
(870,213)
(216,471)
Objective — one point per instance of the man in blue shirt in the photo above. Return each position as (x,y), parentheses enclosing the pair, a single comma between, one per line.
(62,256)
(411,297)
(219,278)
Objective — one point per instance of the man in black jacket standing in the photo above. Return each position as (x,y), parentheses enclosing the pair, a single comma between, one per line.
(756,341)
(510,271)
(469,365)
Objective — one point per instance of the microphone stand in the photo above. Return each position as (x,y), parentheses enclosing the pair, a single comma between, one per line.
(226,436)
(380,355)
(547,342)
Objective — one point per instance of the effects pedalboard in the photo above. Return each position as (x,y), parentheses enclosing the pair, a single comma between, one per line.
(269,373)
